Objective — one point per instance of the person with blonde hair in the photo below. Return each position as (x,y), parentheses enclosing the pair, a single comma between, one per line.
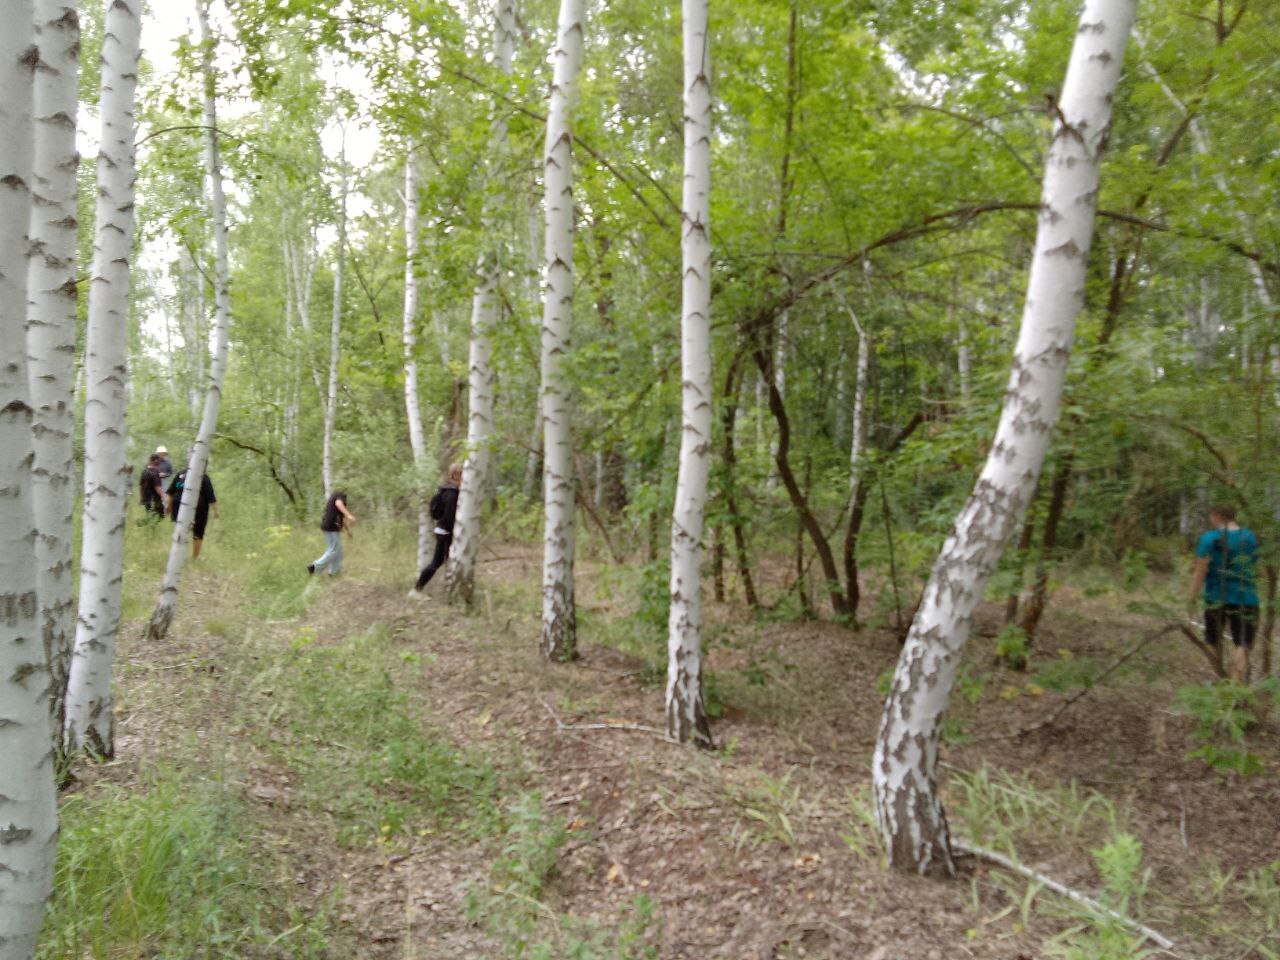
(443,507)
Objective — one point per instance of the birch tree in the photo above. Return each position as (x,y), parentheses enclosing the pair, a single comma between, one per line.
(460,572)
(413,410)
(28,808)
(51,337)
(89,725)
(559,618)
(905,761)
(335,333)
(162,616)
(686,713)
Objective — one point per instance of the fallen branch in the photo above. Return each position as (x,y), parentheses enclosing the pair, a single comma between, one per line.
(1075,896)
(573,727)
(1112,667)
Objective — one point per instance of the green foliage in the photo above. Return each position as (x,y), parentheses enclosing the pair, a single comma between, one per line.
(1119,863)
(328,700)
(1224,712)
(167,870)
(1012,646)
(768,809)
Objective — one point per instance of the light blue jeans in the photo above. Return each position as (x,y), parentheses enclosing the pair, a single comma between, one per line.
(331,559)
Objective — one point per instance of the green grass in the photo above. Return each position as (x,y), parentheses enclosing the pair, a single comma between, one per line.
(340,718)
(165,870)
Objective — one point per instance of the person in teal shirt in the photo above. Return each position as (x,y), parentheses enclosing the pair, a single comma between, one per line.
(1223,577)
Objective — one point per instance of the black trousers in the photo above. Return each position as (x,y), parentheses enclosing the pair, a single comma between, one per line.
(1242,621)
(443,540)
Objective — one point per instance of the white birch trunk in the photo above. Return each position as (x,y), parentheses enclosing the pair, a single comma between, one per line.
(162,617)
(559,618)
(51,336)
(904,766)
(686,713)
(89,724)
(413,409)
(460,572)
(335,336)
(28,810)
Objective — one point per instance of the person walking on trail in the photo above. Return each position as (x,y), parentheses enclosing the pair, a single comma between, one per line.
(151,487)
(336,519)
(443,507)
(1223,577)
(207,499)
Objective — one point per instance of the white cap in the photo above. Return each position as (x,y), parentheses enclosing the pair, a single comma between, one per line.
(162,449)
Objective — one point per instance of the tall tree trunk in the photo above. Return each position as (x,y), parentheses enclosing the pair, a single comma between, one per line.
(559,618)
(729,421)
(29,810)
(857,486)
(89,724)
(1036,597)
(686,713)
(51,336)
(162,617)
(335,331)
(413,410)
(904,768)
(460,573)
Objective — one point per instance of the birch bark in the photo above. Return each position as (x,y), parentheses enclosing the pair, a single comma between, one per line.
(686,713)
(904,766)
(162,616)
(460,573)
(51,336)
(413,410)
(28,809)
(89,725)
(335,336)
(559,618)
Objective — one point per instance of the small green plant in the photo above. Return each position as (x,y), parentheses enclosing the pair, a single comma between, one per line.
(1012,647)
(863,834)
(768,809)
(1224,712)
(1124,881)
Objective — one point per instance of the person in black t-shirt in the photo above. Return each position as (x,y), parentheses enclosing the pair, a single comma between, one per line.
(207,499)
(151,487)
(336,519)
(443,507)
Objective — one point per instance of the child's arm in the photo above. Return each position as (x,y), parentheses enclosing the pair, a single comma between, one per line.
(350,517)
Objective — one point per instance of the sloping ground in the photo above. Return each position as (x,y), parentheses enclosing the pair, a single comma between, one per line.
(634,847)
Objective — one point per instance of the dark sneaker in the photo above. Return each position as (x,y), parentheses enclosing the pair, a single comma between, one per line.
(311,568)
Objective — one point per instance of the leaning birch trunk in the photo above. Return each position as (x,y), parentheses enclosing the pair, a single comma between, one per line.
(28,808)
(686,712)
(51,337)
(460,573)
(559,618)
(412,408)
(335,337)
(162,617)
(904,766)
(89,725)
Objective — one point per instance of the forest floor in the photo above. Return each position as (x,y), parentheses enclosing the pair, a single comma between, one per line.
(408,781)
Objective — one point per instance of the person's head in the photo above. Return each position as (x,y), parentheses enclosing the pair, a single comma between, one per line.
(455,473)
(1221,514)
(153,459)
(161,452)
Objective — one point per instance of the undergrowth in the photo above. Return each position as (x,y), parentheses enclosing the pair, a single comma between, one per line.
(166,869)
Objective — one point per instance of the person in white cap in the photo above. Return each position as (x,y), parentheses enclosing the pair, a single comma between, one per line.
(164,467)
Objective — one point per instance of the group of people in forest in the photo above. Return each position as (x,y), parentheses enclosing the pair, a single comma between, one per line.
(1222,579)
(337,518)
(160,500)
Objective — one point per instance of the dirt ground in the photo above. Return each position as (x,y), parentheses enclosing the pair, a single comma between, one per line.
(647,817)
